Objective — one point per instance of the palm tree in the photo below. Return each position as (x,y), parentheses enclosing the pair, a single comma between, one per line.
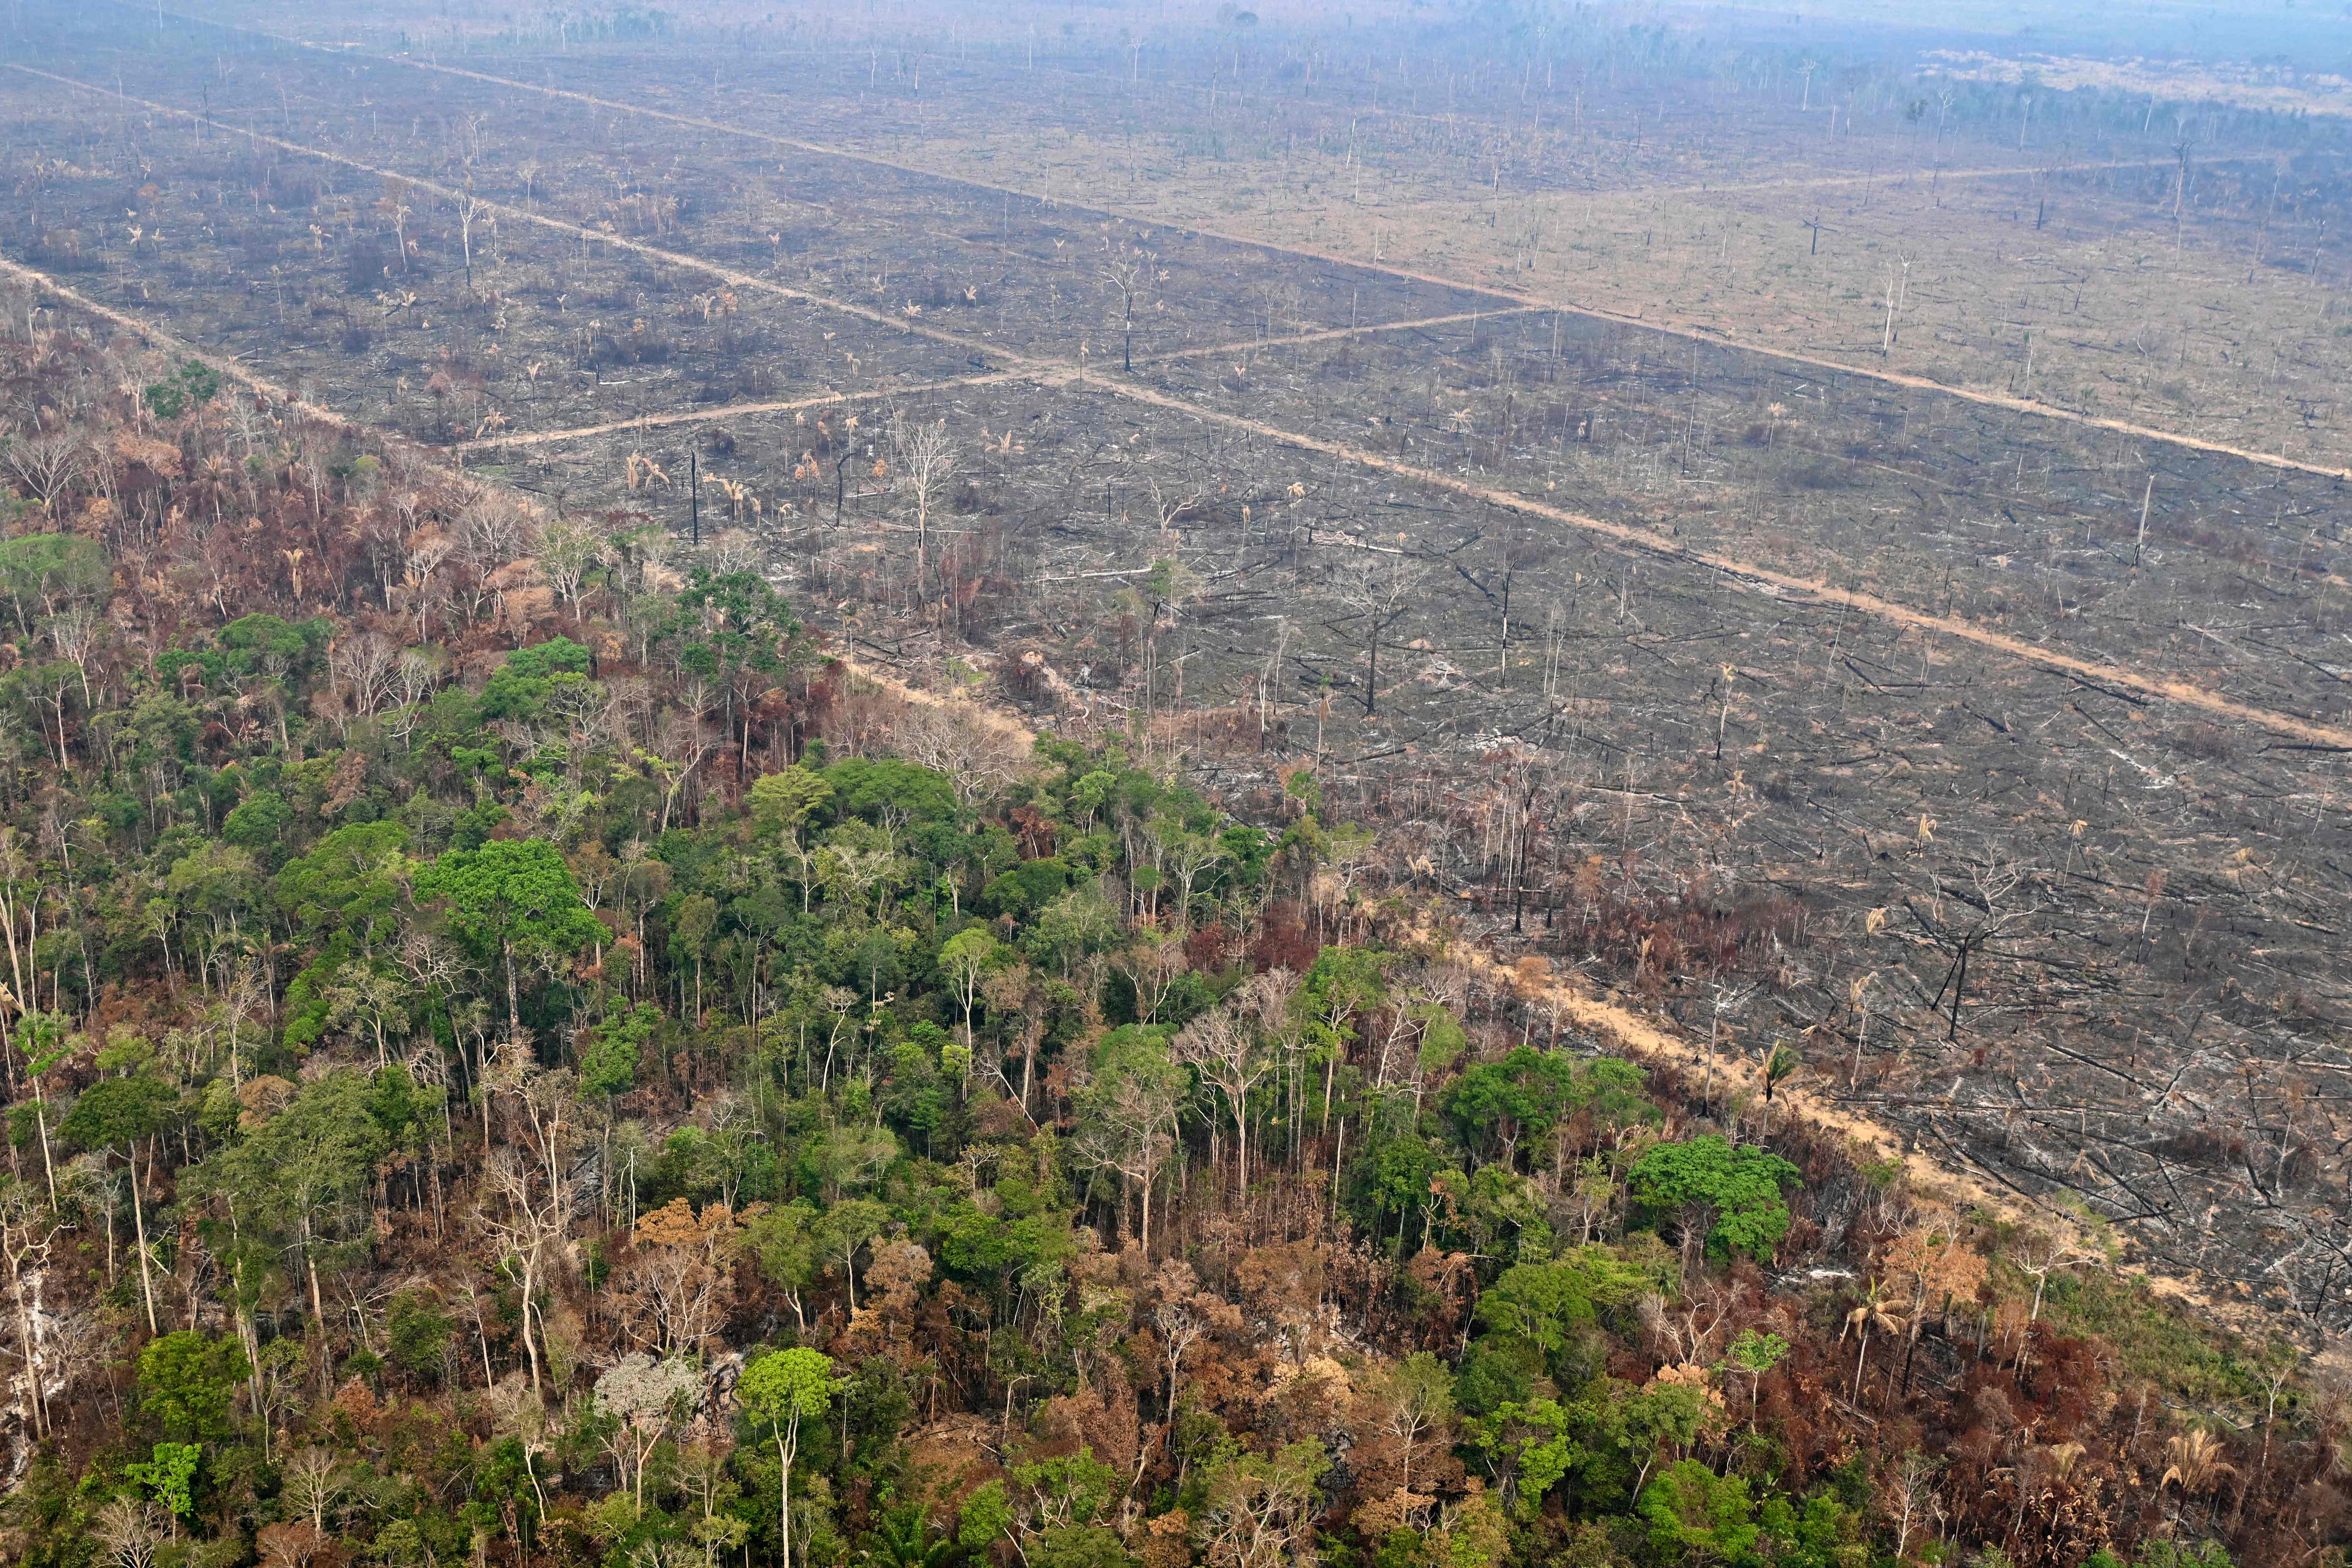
(2196,1462)
(1870,1314)
(1781,1063)
(903,1540)
(2196,1466)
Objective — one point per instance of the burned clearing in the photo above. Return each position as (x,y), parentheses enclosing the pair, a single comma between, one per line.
(1990,756)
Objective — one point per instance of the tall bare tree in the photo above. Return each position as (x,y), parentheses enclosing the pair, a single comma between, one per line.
(527,1216)
(47,465)
(1227,1051)
(470,209)
(1127,280)
(1380,592)
(923,461)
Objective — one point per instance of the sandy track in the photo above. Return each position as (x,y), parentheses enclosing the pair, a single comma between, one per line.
(1652,1042)
(1652,541)
(1892,176)
(1646,1040)
(707,413)
(149,332)
(1333,335)
(989,378)
(578,231)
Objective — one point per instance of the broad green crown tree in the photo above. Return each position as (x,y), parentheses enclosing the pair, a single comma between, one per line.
(1737,1191)
(781,1390)
(514,901)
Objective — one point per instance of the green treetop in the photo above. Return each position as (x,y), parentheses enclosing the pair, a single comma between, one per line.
(514,901)
(781,1390)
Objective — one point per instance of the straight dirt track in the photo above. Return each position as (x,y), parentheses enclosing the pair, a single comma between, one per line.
(989,378)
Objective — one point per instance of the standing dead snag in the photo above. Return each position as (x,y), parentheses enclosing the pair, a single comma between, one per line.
(131,1533)
(47,466)
(1380,596)
(1225,1047)
(1909,1497)
(1127,280)
(527,1232)
(1184,1314)
(1897,291)
(396,206)
(1989,889)
(26,1236)
(2038,1258)
(1731,999)
(1731,672)
(924,460)
(469,208)
(1260,1508)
